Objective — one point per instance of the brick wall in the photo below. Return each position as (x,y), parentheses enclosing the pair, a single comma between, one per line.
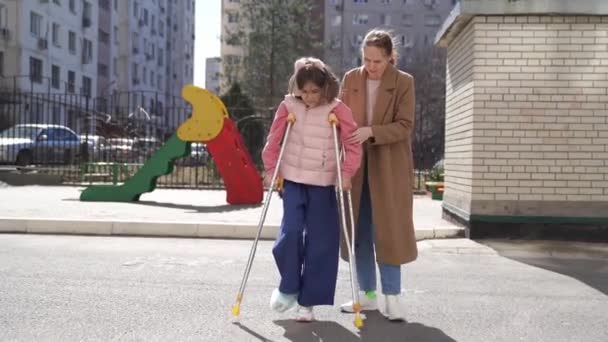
(459,121)
(536,117)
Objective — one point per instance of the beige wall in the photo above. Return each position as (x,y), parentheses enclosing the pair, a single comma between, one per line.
(537,116)
(459,120)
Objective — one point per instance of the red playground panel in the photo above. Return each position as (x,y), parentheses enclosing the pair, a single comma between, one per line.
(242,181)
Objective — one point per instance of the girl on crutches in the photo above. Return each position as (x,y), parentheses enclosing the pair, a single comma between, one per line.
(307,246)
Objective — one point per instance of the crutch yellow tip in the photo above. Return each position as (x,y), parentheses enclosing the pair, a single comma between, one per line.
(291,118)
(358,321)
(236,310)
(333,119)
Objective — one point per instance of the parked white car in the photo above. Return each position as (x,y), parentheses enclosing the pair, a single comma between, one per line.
(26,144)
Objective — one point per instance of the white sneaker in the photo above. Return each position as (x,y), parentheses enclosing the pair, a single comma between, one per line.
(305,314)
(394,308)
(367,304)
(282,302)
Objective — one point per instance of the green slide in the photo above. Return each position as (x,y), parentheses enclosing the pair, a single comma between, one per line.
(161,163)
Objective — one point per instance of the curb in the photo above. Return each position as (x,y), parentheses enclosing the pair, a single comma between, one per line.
(220,230)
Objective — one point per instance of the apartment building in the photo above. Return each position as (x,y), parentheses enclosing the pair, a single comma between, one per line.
(231,55)
(343,24)
(132,54)
(212,74)
(413,22)
(49,45)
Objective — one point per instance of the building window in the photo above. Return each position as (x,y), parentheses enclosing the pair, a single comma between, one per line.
(115,35)
(86,86)
(2,15)
(57,2)
(115,65)
(56,114)
(87,51)
(135,9)
(71,81)
(406,20)
(357,40)
(35,70)
(104,37)
(105,4)
(385,19)
(35,24)
(360,19)
(102,70)
(73,6)
(432,20)
(1,63)
(336,20)
(55,76)
(55,34)
(386,2)
(360,1)
(72,42)
(233,17)
(86,14)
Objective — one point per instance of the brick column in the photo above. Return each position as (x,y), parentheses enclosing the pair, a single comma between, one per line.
(526,149)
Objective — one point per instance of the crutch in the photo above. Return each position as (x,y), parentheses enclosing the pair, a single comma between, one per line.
(236,308)
(333,120)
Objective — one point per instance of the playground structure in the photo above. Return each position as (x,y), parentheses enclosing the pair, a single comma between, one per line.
(208,124)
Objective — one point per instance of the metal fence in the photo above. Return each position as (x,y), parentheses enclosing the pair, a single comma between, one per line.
(85,140)
(89,140)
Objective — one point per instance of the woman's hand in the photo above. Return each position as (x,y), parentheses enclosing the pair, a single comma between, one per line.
(360,136)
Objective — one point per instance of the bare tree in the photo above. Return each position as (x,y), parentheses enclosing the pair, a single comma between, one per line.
(427,65)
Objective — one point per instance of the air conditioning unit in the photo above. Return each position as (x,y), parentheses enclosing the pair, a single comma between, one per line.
(5,33)
(43,44)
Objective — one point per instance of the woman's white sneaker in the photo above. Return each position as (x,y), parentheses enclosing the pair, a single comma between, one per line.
(394,308)
(367,304)
(305,314)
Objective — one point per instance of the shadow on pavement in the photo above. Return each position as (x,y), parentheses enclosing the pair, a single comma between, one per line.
(376,329)
(200,209)
(587,262)
(252,333)
(196,208)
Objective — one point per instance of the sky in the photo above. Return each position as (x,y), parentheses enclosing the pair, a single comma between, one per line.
(207,42)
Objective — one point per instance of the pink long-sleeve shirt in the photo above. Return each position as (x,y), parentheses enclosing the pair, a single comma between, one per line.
(309,156)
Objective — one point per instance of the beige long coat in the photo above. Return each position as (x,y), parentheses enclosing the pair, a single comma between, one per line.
(389,161)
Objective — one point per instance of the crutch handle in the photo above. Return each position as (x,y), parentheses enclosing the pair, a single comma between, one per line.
(333,119)
(291,118)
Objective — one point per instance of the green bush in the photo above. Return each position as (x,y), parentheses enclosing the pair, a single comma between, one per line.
(436,174)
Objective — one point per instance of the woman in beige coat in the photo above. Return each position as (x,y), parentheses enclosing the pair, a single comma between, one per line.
(382,101)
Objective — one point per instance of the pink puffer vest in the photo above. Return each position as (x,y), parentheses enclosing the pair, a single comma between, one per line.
(309,156)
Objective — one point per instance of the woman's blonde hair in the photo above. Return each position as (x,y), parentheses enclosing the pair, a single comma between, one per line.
(384,40)
(310,69)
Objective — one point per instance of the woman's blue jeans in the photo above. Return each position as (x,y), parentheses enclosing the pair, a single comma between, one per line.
(390,275)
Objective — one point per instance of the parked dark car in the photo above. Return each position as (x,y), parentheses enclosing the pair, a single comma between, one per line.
(26,144)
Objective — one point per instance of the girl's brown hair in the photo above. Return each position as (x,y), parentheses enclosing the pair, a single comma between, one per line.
(384,40)
(310,69)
